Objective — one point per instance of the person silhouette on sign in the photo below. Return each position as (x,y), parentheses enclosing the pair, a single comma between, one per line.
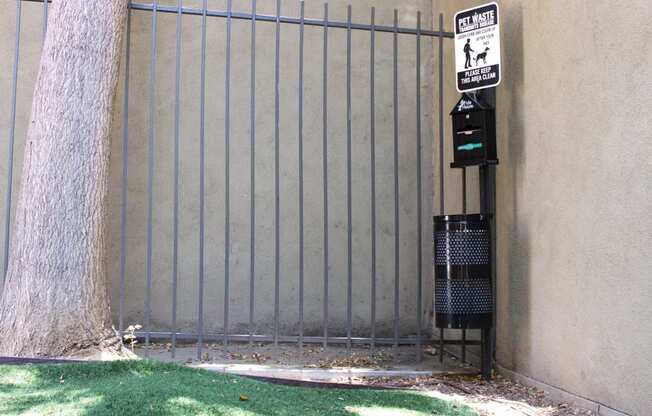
(467,52)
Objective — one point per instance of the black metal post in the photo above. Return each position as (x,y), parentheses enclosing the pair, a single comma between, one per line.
(485,355)
(441,345)
(464,211)
(488,206)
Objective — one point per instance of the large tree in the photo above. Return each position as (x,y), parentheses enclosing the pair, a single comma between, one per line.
(55,301)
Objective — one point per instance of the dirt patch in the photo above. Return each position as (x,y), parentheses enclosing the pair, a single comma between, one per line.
(312,356)
(498,397)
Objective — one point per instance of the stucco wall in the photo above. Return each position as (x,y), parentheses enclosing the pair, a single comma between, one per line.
(574,195)
(240,162)
(574,191)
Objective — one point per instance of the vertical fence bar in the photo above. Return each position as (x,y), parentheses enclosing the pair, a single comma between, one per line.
(441,148)
(150,175)
(227,172)
(252,173)
(45,17)
(125,176)
(325,170)
(349,282)
(175,230)
(277,178)
(372,150)
(419,191)
(202,182)
(301,219)
(12,135)
(396,188)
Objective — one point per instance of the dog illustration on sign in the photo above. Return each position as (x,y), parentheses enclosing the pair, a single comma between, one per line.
(482,56)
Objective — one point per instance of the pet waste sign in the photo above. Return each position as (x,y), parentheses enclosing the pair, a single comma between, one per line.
(477,48)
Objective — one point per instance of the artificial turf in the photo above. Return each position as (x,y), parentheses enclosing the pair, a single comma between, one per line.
(151,388)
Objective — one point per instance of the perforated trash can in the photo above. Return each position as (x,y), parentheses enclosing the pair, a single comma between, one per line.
(463,292)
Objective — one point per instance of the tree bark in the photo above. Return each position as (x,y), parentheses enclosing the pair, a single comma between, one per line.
(55,301)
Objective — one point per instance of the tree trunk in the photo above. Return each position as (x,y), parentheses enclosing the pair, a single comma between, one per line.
(55,301)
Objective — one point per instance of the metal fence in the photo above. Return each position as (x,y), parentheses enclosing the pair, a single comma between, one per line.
(278,20)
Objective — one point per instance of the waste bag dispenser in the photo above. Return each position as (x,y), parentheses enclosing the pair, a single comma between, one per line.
(474,132)
(463,288)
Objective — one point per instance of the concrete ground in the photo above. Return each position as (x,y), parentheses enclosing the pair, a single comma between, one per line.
(314,363)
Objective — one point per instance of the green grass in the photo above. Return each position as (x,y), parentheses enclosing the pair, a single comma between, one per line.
(151,388)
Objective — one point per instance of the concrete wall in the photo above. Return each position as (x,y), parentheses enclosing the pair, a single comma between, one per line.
(240,163)
(574,196)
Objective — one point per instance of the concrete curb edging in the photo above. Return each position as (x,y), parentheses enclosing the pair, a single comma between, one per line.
(308,374)
(560,395)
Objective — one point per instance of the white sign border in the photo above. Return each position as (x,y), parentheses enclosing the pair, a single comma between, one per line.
(500,58)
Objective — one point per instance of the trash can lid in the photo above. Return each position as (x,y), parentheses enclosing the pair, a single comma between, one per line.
(461,218)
